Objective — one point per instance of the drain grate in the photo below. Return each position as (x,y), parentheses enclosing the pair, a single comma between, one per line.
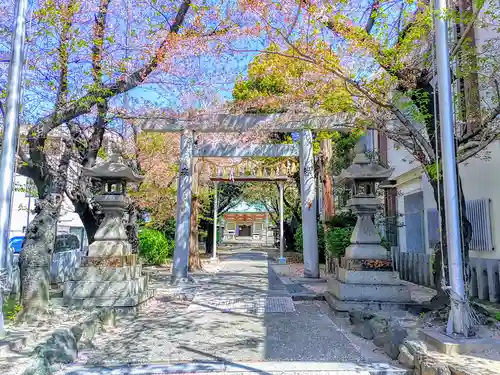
(256,306)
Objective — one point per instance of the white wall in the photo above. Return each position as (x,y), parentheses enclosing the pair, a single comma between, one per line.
(480,178)
(19,218)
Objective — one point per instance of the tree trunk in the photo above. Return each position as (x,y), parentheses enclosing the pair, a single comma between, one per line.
(89,219)
(209,243)
(132,228)
(35,259)
(194,252)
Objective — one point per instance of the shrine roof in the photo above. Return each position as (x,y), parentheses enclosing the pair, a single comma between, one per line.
(244,207)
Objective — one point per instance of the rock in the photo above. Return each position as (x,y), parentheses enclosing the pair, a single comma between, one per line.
(380,340)
(379,326)
(60,348)
(392,350)
(358,316)
(419,309)
(363,330)
(397,335)
(38,366)
(432,368)
(405,357)
(415,346)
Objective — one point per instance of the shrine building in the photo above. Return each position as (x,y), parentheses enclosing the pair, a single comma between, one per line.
(248,222)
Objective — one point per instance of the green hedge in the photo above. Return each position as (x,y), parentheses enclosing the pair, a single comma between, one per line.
(321,241)
(337,240)
(154,247)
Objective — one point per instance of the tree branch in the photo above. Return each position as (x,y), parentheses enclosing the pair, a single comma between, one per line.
(371,19)
(85,103)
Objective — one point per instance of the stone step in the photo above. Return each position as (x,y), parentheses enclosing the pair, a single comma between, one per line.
(112,261)
(268,368)
(338,305)
(369,292)
(107,274)
(368,277)
(125,302)
(104,289)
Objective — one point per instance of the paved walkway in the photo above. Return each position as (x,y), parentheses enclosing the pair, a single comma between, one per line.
(239,317)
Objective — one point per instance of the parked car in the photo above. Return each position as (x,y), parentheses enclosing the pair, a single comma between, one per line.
(16,244)
(66,241)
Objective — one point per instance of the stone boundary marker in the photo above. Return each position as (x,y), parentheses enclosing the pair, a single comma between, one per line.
(62,346)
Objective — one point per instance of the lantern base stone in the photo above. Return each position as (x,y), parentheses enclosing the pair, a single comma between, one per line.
(339,305)
(114,281)
(109,248)
(368,277)
(369,292)
(366,251)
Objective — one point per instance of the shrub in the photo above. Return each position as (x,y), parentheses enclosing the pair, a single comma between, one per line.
(154,247)
(337,240)
(298,239)
(11,308)
(321,241)
(342,220)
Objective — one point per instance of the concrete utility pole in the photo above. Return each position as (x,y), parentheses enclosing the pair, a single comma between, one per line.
(458,321)
(9,144)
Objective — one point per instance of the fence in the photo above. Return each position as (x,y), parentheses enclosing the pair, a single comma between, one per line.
(62,268)
(418,268)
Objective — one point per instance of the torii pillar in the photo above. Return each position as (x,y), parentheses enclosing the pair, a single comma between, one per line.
(309,206)
(183,213)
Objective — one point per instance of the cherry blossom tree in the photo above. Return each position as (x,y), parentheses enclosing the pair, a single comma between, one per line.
(381,53)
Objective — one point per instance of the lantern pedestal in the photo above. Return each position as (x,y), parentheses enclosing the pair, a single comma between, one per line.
(110,275)
(364,279)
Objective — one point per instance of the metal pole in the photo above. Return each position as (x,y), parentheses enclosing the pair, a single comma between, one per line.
(216,207)
(457,322)
(267,226)
(282,237)
(9,144)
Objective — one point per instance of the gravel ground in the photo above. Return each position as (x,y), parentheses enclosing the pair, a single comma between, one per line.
(13,363)
(220,324)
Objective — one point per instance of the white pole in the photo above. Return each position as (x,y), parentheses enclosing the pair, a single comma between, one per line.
(282,236)
(457,322)
(9,143)
(267,226)
(216,207)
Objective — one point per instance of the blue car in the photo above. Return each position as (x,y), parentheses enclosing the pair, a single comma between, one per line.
(16,243)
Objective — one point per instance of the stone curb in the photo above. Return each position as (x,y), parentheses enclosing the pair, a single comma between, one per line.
(62,346)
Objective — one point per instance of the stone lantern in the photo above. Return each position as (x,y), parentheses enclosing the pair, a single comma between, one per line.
(110,275)
(364,277)
(111,237)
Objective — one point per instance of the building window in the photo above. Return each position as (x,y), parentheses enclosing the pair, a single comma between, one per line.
(479,215)
(414,222)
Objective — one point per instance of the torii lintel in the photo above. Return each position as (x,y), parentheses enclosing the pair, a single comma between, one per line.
(242,123)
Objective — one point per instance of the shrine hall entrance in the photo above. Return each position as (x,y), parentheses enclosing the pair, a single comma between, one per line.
(244,231)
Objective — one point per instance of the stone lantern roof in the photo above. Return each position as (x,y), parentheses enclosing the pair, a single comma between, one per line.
(362,168)
(113,169)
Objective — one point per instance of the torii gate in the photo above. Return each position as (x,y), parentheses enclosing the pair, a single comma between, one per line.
(243,123)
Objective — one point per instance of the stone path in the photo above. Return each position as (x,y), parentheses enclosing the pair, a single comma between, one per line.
(240,317)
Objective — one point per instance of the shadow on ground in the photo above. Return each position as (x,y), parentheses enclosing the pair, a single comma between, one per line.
(242,314)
